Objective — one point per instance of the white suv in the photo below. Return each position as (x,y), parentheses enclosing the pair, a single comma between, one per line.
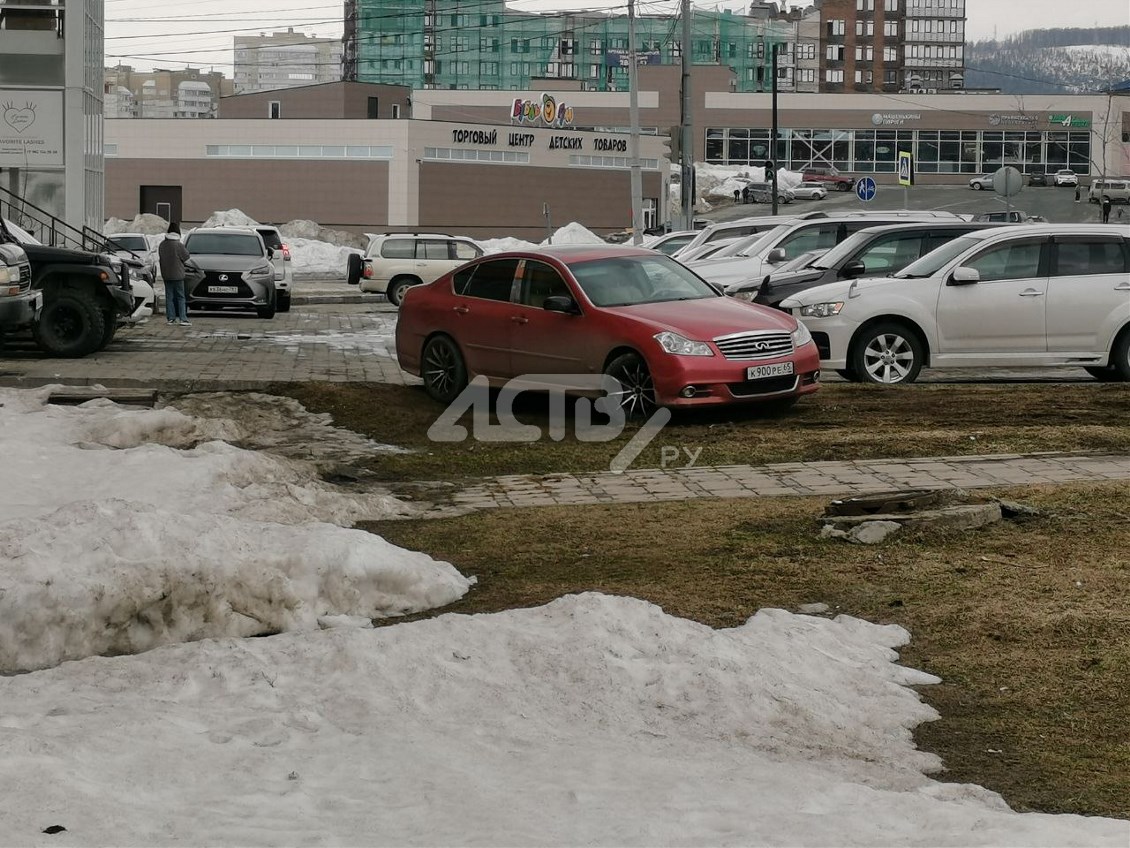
(1032,295)
(396,261)
(280,259)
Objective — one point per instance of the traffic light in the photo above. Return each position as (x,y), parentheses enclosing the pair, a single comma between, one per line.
(674,144)
(769,171)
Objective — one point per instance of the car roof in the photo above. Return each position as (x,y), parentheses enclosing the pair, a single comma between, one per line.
(745,222)
(928,224)
(1038,229)
(568,253)
(412,235)
(247,231)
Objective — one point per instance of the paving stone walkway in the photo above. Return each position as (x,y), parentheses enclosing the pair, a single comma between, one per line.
(833,479)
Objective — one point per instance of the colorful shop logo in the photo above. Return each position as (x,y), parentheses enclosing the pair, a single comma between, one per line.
(1069,121)
(547,110)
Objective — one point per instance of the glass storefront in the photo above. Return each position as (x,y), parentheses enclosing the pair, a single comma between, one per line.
(876,151)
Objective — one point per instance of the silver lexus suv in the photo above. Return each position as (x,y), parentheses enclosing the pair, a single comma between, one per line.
(238,273)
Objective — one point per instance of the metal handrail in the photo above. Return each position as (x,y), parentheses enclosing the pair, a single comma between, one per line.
(52,231)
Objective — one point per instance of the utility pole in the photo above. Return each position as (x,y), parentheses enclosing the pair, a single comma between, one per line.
(686,120)
(634,143)
(773,131)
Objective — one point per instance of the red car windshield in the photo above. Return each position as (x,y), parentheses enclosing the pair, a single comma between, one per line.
(633,280)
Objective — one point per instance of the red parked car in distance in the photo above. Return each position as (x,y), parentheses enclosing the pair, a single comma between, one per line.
(831,178)
(669,337)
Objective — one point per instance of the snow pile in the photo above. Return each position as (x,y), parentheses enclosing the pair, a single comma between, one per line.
(571,233)
(113,577)
(230,218)
(146,223)
(125,529)
(575,233)
(502,244)
(591,721)
(312,231)
(719,182)
(310,258)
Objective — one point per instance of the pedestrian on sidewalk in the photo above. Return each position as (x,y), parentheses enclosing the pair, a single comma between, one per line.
(172,254)
(1076,194)
(1106,209)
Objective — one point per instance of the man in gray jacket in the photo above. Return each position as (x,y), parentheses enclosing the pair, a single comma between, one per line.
(172,254)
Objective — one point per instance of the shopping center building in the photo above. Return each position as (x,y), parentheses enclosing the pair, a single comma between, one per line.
(489,163)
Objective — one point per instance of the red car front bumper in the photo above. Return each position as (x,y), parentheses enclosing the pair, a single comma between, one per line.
(716,380)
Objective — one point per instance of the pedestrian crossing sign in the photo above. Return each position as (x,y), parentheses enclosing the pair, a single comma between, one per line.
(906,169)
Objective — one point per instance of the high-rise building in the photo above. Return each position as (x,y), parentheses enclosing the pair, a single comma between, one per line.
(284,60)
(51,98)
(185,93)
(934,49)
(891,45)
(448,44)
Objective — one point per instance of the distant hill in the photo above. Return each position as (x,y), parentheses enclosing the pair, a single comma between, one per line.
(1050,61)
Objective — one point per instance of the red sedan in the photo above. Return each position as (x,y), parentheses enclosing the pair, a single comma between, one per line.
(667,336)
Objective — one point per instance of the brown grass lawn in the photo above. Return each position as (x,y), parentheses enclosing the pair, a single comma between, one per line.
(1027,623)
(841,421)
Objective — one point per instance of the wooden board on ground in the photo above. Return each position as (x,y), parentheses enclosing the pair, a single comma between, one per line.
(74,395)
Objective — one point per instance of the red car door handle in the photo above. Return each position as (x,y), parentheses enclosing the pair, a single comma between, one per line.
(518,319)
(462,310)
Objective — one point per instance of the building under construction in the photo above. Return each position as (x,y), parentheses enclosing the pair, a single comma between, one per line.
(483,45)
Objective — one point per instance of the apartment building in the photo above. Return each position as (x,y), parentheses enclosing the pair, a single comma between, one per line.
(891,45)
(160,93)
(285,60)
(934,48)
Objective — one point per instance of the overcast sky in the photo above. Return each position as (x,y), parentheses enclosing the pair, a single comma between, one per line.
(200,32)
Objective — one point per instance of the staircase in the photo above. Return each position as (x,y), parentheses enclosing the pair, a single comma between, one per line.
(45,227)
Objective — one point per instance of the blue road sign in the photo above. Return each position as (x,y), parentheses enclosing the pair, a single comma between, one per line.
(866,189)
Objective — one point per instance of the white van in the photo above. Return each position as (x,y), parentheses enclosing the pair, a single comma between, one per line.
(1117,190)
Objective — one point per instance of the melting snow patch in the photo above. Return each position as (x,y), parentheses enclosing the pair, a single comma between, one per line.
(591,721)
(125,529)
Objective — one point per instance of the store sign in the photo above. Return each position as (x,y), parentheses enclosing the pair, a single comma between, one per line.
(547,111)
(1012,120)
(474,136)
(622,59)
(31,128)
(894,119)
(1069,121)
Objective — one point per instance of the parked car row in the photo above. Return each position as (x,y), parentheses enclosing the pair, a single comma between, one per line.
(1036,295)
(875,297)
(745,263)
(1062,177)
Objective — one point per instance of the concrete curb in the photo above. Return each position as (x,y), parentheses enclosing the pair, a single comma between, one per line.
(307,299)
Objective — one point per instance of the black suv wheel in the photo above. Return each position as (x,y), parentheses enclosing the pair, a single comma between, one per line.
(72,324)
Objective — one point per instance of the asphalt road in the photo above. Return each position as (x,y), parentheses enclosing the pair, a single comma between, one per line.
(1056,204)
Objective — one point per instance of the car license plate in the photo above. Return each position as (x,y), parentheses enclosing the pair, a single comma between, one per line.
(223,289)
(759,372)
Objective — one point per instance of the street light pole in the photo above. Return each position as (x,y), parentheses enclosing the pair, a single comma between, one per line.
(686,122)
(634,110)
(773,131)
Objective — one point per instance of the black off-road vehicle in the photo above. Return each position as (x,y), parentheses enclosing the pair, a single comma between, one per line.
(83,293)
